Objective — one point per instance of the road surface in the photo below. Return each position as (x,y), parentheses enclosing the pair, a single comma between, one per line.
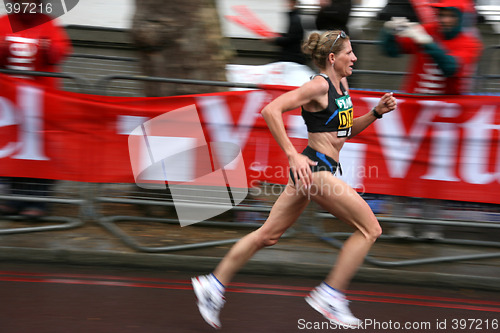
(38,298)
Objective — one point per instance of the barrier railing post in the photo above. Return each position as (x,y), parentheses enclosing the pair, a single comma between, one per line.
(82,85)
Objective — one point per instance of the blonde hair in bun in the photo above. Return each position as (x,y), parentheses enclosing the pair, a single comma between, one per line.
(319,46)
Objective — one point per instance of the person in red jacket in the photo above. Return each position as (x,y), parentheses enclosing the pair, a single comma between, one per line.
(446,52)
(30,40)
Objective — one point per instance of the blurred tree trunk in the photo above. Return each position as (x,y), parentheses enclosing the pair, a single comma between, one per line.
(180,39)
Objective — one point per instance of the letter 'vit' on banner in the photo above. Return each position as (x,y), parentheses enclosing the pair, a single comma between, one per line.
(436,147)
(205,179)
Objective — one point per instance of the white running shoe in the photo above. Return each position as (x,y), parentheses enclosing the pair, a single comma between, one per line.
(210,299)
(333,307)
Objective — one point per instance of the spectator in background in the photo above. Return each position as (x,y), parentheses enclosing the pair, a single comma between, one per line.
(445,56)
(30,40)
(290,43)
(333,14)
(445,53)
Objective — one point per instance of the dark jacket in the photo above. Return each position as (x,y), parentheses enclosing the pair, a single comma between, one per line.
(290,43)
(334,16)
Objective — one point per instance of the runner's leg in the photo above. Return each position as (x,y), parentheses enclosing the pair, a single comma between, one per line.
(346,204)
(284,213)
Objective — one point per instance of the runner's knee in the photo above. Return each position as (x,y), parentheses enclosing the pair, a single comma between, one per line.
(373,232)
(264,239)
(370,229)
(270,242)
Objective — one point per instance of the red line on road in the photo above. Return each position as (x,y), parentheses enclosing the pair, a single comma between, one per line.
(251,285)
(375,293)
(427,304)
(247,288)
(428,298)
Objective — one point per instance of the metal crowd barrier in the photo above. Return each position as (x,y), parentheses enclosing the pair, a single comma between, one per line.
(62,222)
(93,67)
(333,239)
(82,85)
(102,84)
(487,81)
(131,195)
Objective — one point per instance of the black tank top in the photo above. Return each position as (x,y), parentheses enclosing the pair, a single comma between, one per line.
(338,115)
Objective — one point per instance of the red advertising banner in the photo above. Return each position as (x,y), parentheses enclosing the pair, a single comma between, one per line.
(435,147)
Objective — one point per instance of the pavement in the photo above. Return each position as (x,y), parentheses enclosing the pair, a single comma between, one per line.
(127,235)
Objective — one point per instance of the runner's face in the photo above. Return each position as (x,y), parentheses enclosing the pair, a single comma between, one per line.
(344,60)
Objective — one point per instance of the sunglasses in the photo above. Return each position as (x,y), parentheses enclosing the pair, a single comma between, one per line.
(341,34)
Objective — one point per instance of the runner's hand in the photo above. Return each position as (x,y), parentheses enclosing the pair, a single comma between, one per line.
(300,165)
(387,103)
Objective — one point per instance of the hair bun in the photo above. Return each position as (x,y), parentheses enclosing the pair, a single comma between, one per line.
(311,44)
